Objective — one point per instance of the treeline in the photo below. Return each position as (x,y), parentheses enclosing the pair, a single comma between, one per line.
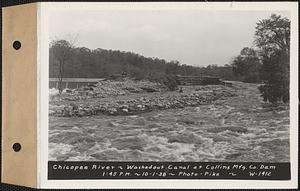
(269,62)
(81,62)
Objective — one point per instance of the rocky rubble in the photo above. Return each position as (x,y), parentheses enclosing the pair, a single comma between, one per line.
(110,88)
(145,103)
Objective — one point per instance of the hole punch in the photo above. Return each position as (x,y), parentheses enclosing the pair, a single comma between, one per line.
(17,147)
(17,45)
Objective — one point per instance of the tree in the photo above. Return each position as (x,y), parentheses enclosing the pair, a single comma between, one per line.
(61,49)
(172,67)
(272,36)
(247,65)
(68,61)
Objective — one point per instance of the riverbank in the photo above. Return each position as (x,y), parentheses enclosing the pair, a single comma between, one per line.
(131,98)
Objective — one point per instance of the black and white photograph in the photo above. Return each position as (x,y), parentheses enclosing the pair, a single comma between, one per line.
(169,85)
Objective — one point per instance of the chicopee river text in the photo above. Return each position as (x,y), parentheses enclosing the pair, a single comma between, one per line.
(167,170)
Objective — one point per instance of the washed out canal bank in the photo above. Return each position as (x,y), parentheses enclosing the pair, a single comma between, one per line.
(236,127)
(130,97)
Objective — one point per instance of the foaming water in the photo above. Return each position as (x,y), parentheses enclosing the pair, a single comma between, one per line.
(241,128)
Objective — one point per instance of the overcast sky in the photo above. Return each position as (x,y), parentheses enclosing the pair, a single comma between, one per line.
(192,37)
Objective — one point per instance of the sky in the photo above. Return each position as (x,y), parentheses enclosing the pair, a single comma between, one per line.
(193,37)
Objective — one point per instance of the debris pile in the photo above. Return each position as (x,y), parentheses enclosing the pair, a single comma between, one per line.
(131,105)
(110,88)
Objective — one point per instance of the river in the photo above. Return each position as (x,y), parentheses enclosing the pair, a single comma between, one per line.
(240,128)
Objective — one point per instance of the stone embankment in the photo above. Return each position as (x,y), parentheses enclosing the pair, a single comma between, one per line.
(108,88)
(129,98)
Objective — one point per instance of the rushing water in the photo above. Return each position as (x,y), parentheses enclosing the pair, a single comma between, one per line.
(240,128)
